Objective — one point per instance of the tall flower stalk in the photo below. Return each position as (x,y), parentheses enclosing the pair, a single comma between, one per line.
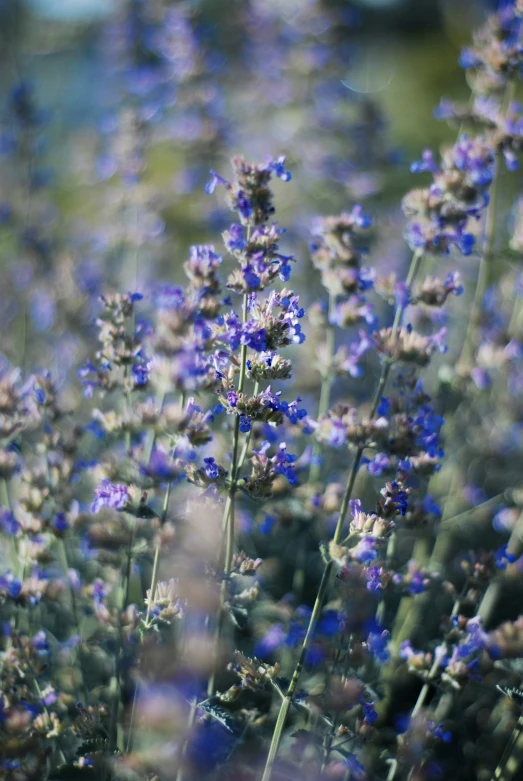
(325,579)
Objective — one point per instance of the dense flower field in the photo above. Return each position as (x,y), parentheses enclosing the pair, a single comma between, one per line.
(261,495)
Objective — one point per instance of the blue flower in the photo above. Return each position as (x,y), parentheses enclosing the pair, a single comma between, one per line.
(373,578)
(267,524)
(215,180)
(112,495)
(8,522)
(379,464)
(502,558)
(278,169)
(212,469)
(441,734)
(60,523)
(427,164)
(430,506)
(377,644)
(235,238)
(245,424)
(169,297)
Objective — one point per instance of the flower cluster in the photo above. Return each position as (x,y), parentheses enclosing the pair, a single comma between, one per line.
(189,506)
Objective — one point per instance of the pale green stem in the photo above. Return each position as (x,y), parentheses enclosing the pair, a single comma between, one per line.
(335,721)
(65,566)
(490,598)
(326,386)
(190,724)
(417,707)
(154,580)
(484,273)
(125,582)
(322,591)
(61,754)
(389,556)
(485,264)
(499,772)
(228,514)
(149,444)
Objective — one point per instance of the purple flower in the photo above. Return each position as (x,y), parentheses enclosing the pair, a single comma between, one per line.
(215,180)
(212,469)
(377,643)
(379,464)
(111,495)
(278,169)
(169,297)
(337,436)
(373,577)
(354,767)
(502,558)
(360,219)
(8,522)
(417,584)
(427,163)
(369,713)
(232,398)
(430,506)
(402,295)
(60,523)
(274,639)
(440,733)
(235,238)
(284,464)
(245,424)
(39,642)
(12,585)
(267,524)
(365,551)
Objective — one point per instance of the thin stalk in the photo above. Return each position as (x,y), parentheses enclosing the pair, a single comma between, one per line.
(422,696)
(228,514)
(154,580)
(485,264)
(241,461)
(125,581)
(466,358)
(503,762)
(147,456)
(327,748)
(490,598)
(322,591)
(151,436)
(389,557)
(65,566)
(38,690)
(326,386)
(190,723)
(484,273)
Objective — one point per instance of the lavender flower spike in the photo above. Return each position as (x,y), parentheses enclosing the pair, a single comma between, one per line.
(112,495)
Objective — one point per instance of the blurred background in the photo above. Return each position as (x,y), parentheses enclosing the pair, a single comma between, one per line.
(127,104)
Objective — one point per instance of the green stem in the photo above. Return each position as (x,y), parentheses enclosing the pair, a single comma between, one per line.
(335,720)
(125,582)
(499,772)
(324,583)
(38,690)
(152,589)
(326,386)
(65,566)
(190,724)
(467,352)
(485,264)
(228,513)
